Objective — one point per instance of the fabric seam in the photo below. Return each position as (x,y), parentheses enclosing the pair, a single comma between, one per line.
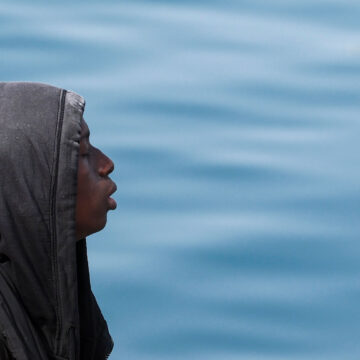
(53,216)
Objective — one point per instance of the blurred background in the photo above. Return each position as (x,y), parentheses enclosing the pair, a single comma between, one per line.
(234,127)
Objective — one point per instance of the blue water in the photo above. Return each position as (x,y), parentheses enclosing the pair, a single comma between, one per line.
(234,127)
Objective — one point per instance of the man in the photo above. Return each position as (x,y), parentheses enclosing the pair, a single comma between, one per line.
(54,191)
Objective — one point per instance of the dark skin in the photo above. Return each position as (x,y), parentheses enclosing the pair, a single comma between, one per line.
(94,187)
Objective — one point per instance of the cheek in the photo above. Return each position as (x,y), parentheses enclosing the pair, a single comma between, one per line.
(95,213)
(86,177)
(91,206)
(90,193)
(85,187)
(91,210)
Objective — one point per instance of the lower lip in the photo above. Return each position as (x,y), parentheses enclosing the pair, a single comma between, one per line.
(112,203)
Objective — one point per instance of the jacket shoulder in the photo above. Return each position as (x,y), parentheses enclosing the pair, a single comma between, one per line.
(18,339)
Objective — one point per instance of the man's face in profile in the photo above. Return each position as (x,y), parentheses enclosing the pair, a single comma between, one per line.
(94,187)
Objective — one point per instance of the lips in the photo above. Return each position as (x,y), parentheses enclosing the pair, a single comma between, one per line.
(113,188)
(111,202)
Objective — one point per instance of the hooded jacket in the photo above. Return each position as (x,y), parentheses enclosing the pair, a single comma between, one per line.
(47,308)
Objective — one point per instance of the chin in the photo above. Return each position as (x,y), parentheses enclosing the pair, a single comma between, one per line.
(93,224)
(100,225)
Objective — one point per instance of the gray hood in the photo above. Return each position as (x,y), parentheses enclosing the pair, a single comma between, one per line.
(39,254)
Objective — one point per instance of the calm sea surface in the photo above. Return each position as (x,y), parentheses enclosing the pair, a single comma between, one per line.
(234,127)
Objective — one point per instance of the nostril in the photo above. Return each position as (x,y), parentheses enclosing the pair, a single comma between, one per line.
(111,167)
(107,169)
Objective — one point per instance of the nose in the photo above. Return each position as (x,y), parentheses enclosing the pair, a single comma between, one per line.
(105,165)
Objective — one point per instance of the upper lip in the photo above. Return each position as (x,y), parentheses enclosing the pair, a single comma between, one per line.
(113,188)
